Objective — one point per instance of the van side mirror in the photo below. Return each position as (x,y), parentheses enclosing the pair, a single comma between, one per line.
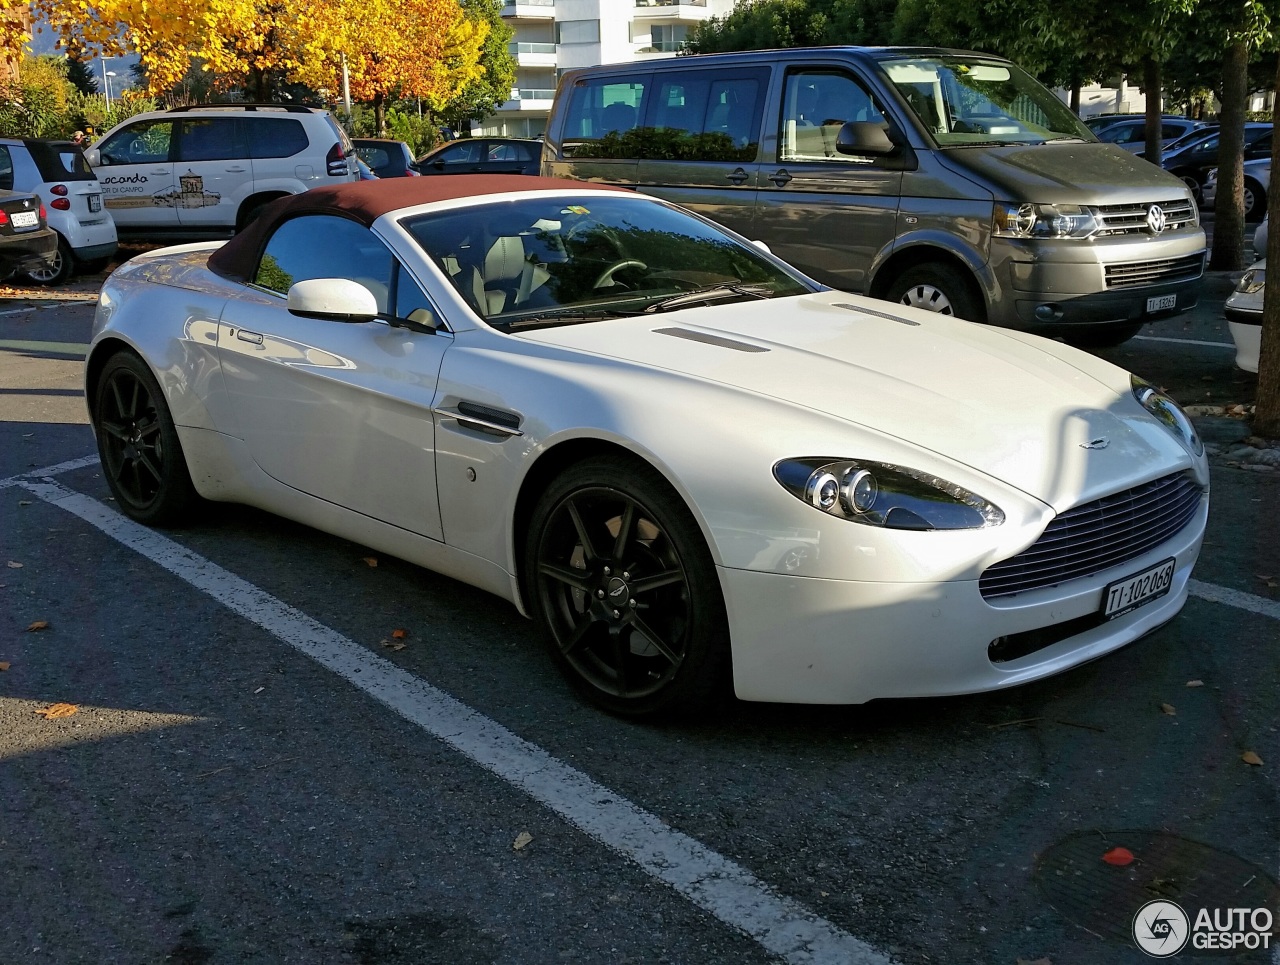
(865,137)
(92,157)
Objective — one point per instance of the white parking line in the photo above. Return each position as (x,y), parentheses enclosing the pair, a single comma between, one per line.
(1183,341)
(712,882)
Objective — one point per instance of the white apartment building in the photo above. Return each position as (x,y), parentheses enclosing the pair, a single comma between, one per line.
(552,36)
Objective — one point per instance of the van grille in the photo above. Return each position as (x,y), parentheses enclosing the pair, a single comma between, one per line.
(1131,219)
(1137,273)
(1095,536)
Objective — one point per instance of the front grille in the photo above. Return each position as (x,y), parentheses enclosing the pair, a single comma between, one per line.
(1131,219)
(1092,537)
(1135,274)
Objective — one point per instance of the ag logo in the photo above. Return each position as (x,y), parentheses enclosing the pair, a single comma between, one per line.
(1161,928)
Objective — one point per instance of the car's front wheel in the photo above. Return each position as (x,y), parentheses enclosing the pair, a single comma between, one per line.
(936,287)
(624,587)
(138,444)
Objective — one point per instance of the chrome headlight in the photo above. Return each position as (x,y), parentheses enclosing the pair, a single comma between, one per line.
(880,494)
(1044,221)
(1168,412)
(1253,281)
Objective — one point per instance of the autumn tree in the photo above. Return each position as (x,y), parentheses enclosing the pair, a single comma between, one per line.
(497,69)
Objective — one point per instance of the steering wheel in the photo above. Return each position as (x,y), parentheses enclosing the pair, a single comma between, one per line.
(606,276)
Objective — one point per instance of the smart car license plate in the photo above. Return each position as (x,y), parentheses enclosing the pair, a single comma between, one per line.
(95,203)
(1161,303)
(1132,592)
(25,219)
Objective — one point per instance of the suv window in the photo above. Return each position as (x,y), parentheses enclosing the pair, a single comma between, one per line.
(600,115)
(209,139)
(326,246)
(274,136)
(145,141)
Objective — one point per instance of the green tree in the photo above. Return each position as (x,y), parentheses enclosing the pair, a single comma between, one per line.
(481,97)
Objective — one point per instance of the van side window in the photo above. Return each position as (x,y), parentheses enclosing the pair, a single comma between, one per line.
(704,116)
(601,117)
(815,105)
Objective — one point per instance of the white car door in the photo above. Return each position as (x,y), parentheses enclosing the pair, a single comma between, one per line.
(338,410)
(136,173)
(213,171)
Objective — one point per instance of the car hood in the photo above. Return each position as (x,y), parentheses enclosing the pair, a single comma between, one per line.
(1022,409)
(1070,173)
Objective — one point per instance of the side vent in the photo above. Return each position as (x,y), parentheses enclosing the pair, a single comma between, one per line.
(709,339)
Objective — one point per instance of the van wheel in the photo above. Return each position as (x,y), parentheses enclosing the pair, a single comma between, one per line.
(1104,336)
(1255,200)
(936,287)
(58,270)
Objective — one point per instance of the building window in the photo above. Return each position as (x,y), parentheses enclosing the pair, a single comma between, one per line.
(670,38)
(578,32)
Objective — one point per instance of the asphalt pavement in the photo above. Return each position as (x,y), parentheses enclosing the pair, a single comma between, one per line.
(259,768)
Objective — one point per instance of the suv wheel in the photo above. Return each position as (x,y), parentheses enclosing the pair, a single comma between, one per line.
(936,287)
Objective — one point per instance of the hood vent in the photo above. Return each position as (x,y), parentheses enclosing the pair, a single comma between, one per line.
(871,311)
(708,339)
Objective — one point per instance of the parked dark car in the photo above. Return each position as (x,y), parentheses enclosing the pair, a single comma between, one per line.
(1100,122)
(1194,162)
(27,243)
(387,158)
(483,155)
(1131,133)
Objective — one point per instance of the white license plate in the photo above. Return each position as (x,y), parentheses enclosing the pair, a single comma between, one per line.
(95,203)
(25,219)
(1141,588)
(1162,302)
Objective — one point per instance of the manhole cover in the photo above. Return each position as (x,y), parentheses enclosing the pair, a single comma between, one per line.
(1103,895)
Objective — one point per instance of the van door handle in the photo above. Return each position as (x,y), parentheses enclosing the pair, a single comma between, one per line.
(738,176)
(236,170)
(780,177)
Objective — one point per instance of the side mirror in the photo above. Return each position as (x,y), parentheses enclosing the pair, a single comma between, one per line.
(333,299)
(93,156)
(864,137)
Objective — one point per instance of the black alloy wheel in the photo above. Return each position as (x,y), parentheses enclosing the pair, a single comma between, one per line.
(620,578)
(138,444)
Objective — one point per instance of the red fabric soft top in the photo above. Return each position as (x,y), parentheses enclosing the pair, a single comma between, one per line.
(365,202)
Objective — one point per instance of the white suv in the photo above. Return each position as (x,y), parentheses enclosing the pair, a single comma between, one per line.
(209,169)
(59,174)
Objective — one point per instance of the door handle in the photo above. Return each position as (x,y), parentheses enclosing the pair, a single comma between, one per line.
(780,177)
(160,171)
(737,176)
(236,170)
(253,337)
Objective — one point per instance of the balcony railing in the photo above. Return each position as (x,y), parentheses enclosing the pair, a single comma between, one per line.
(531,48)
(529,3)
(533,93)
(665,47)
(671,3)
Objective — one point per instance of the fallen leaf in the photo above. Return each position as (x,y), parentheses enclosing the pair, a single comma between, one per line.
(399,634)
(1263,578)
(57,710)
(370,561)
(4,665)
(1168,709)
(1195,683)
(522,841)
(1249,757)
(1118,857)
(14,565)
(24,502)
(38,625)
(393,644)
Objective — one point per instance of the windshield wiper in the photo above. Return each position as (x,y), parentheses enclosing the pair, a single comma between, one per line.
(709,294)
(573,317)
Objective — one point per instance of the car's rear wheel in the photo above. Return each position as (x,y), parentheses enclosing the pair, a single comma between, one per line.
(1255,200)
(59,268)
(621,581)
(936,287)
(139,445)
(1193,185)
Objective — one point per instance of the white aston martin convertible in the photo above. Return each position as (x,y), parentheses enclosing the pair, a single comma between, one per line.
(687,462)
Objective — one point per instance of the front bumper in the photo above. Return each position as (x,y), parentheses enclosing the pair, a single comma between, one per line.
(1245,326)
(805,640)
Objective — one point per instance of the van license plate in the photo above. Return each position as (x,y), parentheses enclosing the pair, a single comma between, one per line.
(95,203)
(25,219)
(1137,590)
(1162,302)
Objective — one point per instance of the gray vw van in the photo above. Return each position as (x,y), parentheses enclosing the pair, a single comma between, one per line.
(944,179)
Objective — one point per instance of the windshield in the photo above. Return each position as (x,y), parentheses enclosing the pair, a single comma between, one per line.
(563,260)
(966,102)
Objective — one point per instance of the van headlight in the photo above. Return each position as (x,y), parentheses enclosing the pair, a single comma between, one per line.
(1169,414)
(881,494)
(1044,221)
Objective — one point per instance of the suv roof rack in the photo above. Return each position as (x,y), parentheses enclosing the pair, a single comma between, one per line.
(235,106)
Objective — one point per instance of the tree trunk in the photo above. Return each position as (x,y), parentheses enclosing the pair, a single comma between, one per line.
(1151,85)
(1228,210)
(1075,96)
(1266,420)
(380,115)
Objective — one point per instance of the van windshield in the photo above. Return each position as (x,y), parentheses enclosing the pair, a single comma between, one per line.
(966,102)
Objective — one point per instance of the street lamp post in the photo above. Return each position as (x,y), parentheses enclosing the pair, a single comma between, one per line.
(106,77)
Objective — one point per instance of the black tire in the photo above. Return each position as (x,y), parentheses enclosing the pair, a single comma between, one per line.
(936,287)
(1191,181)
(620,580)
(141,455)
(1104,336)
(59,270)
(95,267)
(251,210)
(1255,200)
